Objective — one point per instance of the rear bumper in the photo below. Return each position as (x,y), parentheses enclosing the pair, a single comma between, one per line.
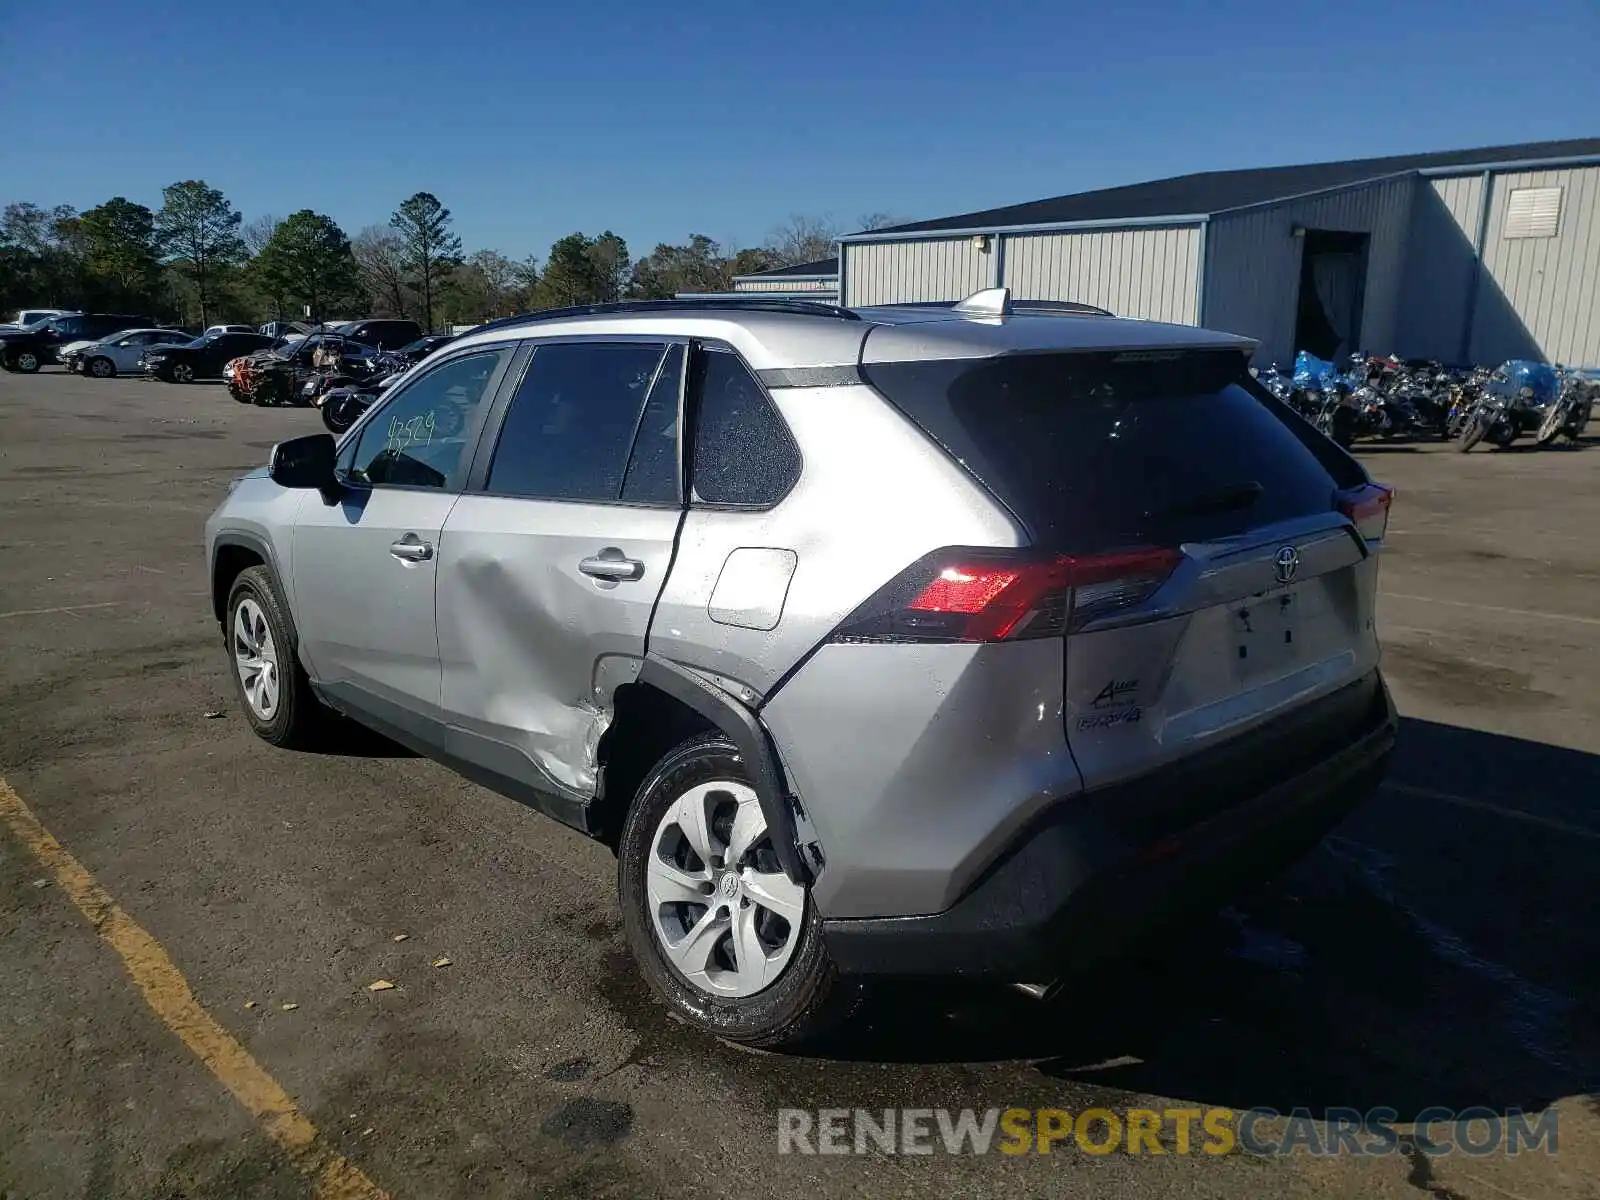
(1104,870)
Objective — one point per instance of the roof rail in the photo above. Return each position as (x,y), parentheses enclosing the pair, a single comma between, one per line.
(997,302)
(807,308)
(1061,308)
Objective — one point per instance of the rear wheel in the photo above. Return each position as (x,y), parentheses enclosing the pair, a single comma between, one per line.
(100,367)
(1555,420)
(720,933)
(336,416)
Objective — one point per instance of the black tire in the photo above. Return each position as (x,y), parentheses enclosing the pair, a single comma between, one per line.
(1343,429)
(180,373)
(299,716)
(25,362)
(100,367)
(1553,424)
(1470,433)
(241,397)
(335,418)
(809,999)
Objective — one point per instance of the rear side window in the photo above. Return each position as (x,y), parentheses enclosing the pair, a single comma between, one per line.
(571,425)
(1098,451)
(744,456)
(652,476)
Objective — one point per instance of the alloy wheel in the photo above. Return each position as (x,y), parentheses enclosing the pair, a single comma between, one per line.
(255,657)
(100,368)
(722,909)
(183,373)
(27,362)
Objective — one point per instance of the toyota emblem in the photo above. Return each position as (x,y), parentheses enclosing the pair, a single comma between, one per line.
(1286,564)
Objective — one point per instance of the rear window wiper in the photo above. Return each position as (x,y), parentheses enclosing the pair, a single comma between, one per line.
(1224,499)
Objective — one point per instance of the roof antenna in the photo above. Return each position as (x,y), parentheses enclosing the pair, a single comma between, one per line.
(991,302)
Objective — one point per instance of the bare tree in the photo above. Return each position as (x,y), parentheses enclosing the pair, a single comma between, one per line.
(258,233)
(879,220)
(803,239)
(380,257)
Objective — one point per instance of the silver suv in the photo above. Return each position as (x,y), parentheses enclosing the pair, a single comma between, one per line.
(932,640)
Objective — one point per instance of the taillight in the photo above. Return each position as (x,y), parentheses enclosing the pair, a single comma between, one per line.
(1367,507)
(972,595)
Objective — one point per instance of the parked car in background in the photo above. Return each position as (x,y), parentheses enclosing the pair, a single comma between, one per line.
(385,333)
(39,344)
(278,375)
(213,329)
(67,354)
(32,316)
(120,352)
(202,358)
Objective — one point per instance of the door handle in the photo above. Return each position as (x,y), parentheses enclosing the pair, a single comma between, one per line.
(613,565)
(411,548)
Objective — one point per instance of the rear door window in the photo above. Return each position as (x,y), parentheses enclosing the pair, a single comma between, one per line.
(1097,451)
(572,423)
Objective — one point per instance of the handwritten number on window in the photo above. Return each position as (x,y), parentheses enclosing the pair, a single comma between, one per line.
(418,431)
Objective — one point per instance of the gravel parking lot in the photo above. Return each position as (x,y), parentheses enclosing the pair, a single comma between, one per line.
(1441,949)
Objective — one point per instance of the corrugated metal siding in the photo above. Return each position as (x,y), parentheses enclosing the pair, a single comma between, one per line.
(1146,273)
(785,285)
(1439,266)
(1253,264)
(1537,296)
(928,269)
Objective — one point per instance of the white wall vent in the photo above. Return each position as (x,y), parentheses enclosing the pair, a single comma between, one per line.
(1533,212)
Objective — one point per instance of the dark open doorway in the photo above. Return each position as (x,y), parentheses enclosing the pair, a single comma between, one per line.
(1333,284)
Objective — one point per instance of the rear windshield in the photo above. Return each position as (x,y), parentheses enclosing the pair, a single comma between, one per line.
(1095,451)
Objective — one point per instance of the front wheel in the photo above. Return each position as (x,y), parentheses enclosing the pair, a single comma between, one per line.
(182,373)
(264,650)
(101,368)
(720,933)
(1470,432)
(26,362)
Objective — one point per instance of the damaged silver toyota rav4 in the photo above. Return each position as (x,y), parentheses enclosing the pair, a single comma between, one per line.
(910,641)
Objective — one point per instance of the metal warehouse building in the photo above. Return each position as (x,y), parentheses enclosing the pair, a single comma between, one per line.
(804,281)
(1464,256)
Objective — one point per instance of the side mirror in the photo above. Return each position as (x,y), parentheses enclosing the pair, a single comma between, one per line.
(305,462)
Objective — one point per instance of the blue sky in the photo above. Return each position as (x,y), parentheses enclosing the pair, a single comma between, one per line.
(659,120)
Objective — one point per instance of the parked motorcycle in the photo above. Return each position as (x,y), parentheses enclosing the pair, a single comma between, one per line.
(1568,415)
(341,397)
(1512,402)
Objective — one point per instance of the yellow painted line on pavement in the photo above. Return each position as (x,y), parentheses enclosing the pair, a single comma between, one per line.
(167,993)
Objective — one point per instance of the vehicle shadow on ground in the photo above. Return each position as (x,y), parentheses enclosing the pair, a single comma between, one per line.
(344,738)
(1430,952)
